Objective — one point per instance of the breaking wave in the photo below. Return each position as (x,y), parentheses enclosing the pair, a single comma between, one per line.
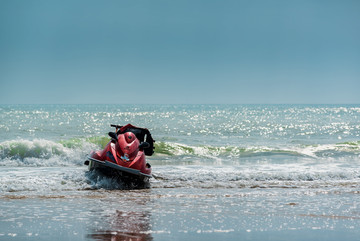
(48,180)
(41,165)
(176,149)
(41,152)
(265,176)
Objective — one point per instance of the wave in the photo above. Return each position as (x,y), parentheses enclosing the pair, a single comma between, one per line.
(256,176)
(45,180)
(177,149)
(42,152)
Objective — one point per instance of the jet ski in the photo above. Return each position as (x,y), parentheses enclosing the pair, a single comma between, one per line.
(124,156)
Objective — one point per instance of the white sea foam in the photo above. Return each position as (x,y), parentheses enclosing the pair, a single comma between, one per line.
(55,180)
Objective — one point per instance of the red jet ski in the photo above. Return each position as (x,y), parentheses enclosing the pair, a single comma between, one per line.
(124,156)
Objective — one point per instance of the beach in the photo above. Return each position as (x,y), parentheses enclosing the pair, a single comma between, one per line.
(220,172)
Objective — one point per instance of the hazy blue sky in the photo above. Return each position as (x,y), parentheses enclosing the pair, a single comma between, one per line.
(185,51)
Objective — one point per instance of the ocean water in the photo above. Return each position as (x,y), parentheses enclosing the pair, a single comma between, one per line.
(230,172)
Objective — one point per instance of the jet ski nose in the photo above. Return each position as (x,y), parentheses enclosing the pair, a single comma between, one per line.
(130,137)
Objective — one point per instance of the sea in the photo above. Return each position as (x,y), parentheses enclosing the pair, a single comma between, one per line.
(220,172)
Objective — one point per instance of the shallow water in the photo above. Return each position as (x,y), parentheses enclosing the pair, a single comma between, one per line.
(220,172)
(178,213)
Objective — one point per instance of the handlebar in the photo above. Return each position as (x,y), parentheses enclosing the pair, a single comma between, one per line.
(116,126)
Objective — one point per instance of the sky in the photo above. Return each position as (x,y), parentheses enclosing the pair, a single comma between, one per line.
(180,52)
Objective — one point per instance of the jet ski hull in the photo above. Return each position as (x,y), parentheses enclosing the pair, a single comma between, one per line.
(127,175)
